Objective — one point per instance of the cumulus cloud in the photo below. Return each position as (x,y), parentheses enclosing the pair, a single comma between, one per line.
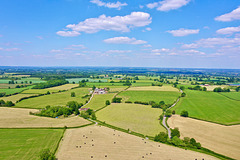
(183,32)
(161,50)
(103,22)
(167,5)
(68,33)
(124,40)
(116,5)
(234,15)
(212,42)
(228,30)
(118,51)
(147,45)
(194,52)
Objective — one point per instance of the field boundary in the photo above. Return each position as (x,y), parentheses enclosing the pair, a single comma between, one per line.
(229,97)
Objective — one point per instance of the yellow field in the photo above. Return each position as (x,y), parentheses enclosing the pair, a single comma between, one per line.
(52,89)
(221,139)
(20,118)
(16,97)
(100,143)
(153,88)
(211,88)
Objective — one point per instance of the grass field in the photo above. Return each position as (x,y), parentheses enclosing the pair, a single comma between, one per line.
(16,97)
(34,80)
(77,80)
(146,96)
(91,84)
(14,90)
(55,99)
(154,88)
(138,118)
(26,144)
(232,95)
(210,106)
(126,146)
(5,86)
(20,118)
(98,101)
(221,139)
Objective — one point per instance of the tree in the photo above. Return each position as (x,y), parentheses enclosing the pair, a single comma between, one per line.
(173,112)
(238,88)
(184,113)
(48,92)
(183,94)
(175,132)
(168,113)
(204,88)
(193,141)
(161,102)
(161,137)
(2,102)
(116,100)
(107,102)
(46,155)
(182,87)
(73,94)
(176,141)
(9,104)
(93,88)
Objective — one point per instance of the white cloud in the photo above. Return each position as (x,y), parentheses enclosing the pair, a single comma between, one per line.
(55,51)
(124,40)
(161,50)
(228,30)
(68,33)
(167,5)
(117,5)
(103,22)
(213,42)
(234,15)
(183,32)
(148,29)
(147,45)
(118,51)
(194,51)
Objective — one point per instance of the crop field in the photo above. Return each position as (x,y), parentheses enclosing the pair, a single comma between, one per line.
(138,118)
(77,80)
(26,144)
(221,139)
(104,143)
(211,88)
(154,88)
(20,118)
(137,84)
(232,95)
(106,84)
(210,106)
(14,90)
(98,101)
(52,89)
(55,99)
(114,89)
(146,96)
(5,86)
(16,97)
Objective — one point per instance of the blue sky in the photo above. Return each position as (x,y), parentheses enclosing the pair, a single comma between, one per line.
(140,33)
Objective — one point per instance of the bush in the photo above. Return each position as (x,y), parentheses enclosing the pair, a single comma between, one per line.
(173,112)
(2,94)
(116,100)
(73,94)
(6,104)
(47,155)
(175,132)
(139,102)
(184,113)
(161,137)
(168,113)
(183,94)
(107,102)
(128,101)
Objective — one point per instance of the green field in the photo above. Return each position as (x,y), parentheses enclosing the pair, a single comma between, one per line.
(26,144)
(14,90)
(90,84)
(54,99)
(210,106)
(232,95)
(34,80)
(138,118)
(16,97)
(145,96)
(77,80)
(98,101)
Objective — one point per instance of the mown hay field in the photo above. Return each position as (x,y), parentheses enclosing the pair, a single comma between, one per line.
(154,88)
(16,97)
(56,99)
(103,143)
(20,118)
(99,100)
(210,106)
(220,139)
(138,118)
(52,89)
(145,96)
(26,144)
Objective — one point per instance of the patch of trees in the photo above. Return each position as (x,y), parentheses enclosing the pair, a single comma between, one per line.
(48,111)
(107,102)
(83,83)
(184,113)
(157,84)
(47,155)
(183,94)
(116,100)
(50,83)
(198,88)
(128,101)
(88,114)
(176,141)
(2,94)
(238,88)
(140,102)
(219,89)
(161,104)
(20,86)
(6,104)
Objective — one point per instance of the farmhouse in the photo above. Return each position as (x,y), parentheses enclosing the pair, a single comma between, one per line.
(100,91)
(84,109)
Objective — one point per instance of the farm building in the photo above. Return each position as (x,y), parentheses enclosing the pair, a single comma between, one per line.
(84,109)
(100,91)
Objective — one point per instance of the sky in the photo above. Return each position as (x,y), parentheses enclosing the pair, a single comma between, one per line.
(124,33)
